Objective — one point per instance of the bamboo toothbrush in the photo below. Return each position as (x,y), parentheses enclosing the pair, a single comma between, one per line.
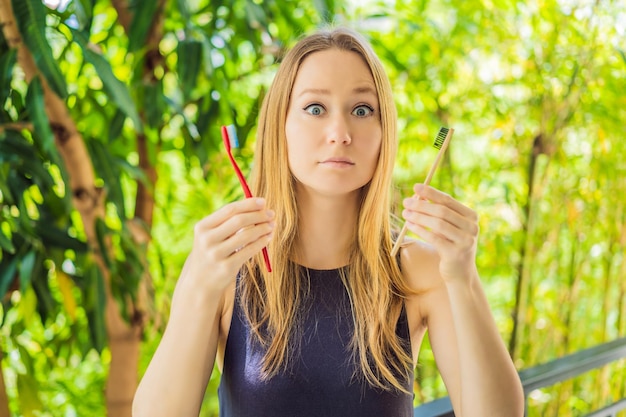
(229,135)
(441,142)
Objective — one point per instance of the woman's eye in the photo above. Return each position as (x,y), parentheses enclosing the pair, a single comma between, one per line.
(363,111)
(314,109)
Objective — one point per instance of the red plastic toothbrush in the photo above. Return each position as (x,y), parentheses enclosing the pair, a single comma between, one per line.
(229,134)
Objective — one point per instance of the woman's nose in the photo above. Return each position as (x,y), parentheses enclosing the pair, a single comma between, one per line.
(339,131)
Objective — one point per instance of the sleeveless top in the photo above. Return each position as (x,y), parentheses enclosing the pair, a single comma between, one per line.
(319,381)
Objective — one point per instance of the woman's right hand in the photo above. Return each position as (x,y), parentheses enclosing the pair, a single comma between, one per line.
(224,240)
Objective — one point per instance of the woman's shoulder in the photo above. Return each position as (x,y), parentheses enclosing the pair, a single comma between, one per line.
(420,265)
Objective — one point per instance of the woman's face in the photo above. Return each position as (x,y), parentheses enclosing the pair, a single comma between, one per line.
(333,126)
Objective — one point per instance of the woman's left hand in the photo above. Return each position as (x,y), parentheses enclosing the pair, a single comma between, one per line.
(449,226)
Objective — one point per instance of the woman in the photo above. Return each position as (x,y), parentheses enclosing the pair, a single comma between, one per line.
(336,328)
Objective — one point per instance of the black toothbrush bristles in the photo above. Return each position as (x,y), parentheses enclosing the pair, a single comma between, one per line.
(441,137)
(441,142)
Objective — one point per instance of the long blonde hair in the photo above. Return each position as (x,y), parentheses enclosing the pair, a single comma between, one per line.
(272,301)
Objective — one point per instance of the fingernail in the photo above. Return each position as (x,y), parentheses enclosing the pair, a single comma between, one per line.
(270,213)
(260,201)
(272,224)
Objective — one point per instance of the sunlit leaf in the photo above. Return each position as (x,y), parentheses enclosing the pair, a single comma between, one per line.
(37,108)
(6,245)
(66,286)
(27,387)
(116,90)
(31,19)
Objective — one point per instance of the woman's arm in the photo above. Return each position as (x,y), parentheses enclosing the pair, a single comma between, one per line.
(179,371)
(470,354)
(177,376)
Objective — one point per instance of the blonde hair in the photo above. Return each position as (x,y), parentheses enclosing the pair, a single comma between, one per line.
(271,301)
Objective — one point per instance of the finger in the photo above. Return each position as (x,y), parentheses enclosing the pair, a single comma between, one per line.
(436,196)
(422,207)
(430,236)
(435,225)
(244,253)
(245,237)
(226,212)
(237,224)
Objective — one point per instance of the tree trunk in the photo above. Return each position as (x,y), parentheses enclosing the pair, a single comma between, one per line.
(127,346)
(521,267)
(124,339)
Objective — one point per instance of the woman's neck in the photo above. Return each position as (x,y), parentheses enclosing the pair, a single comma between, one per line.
(326,227)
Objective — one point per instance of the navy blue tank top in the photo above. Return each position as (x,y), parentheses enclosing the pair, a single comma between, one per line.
(320,381)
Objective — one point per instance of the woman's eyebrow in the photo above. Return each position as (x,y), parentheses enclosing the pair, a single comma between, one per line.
(323,91)
(365,90)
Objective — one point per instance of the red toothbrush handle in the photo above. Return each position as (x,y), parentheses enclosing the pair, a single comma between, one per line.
(266,258)
(244,186)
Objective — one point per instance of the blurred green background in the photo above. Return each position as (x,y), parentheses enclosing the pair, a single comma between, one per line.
(110,152)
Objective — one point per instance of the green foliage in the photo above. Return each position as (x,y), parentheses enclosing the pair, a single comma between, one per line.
(527,90)
(31,19)
(116,90)
(126,96)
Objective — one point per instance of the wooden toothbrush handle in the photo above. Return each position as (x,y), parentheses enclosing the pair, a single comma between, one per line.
(429,177)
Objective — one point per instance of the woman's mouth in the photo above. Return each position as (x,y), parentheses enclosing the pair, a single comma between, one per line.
(338,162)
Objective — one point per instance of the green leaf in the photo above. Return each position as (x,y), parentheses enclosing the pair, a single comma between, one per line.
(6,244)
(95,299)
(27,388)
(45,301)
(101,233)
(116,90)
(107,168)
(132,171)
(154,103)
(37,109)
(52,236)
(8,268)
(183,8)
(31,20)
(143,15)
(40,175)
(26,269)
(7,62)
(12,144)
(83,9)
(189,53)
(116,125)
(133,263)
(255,15)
